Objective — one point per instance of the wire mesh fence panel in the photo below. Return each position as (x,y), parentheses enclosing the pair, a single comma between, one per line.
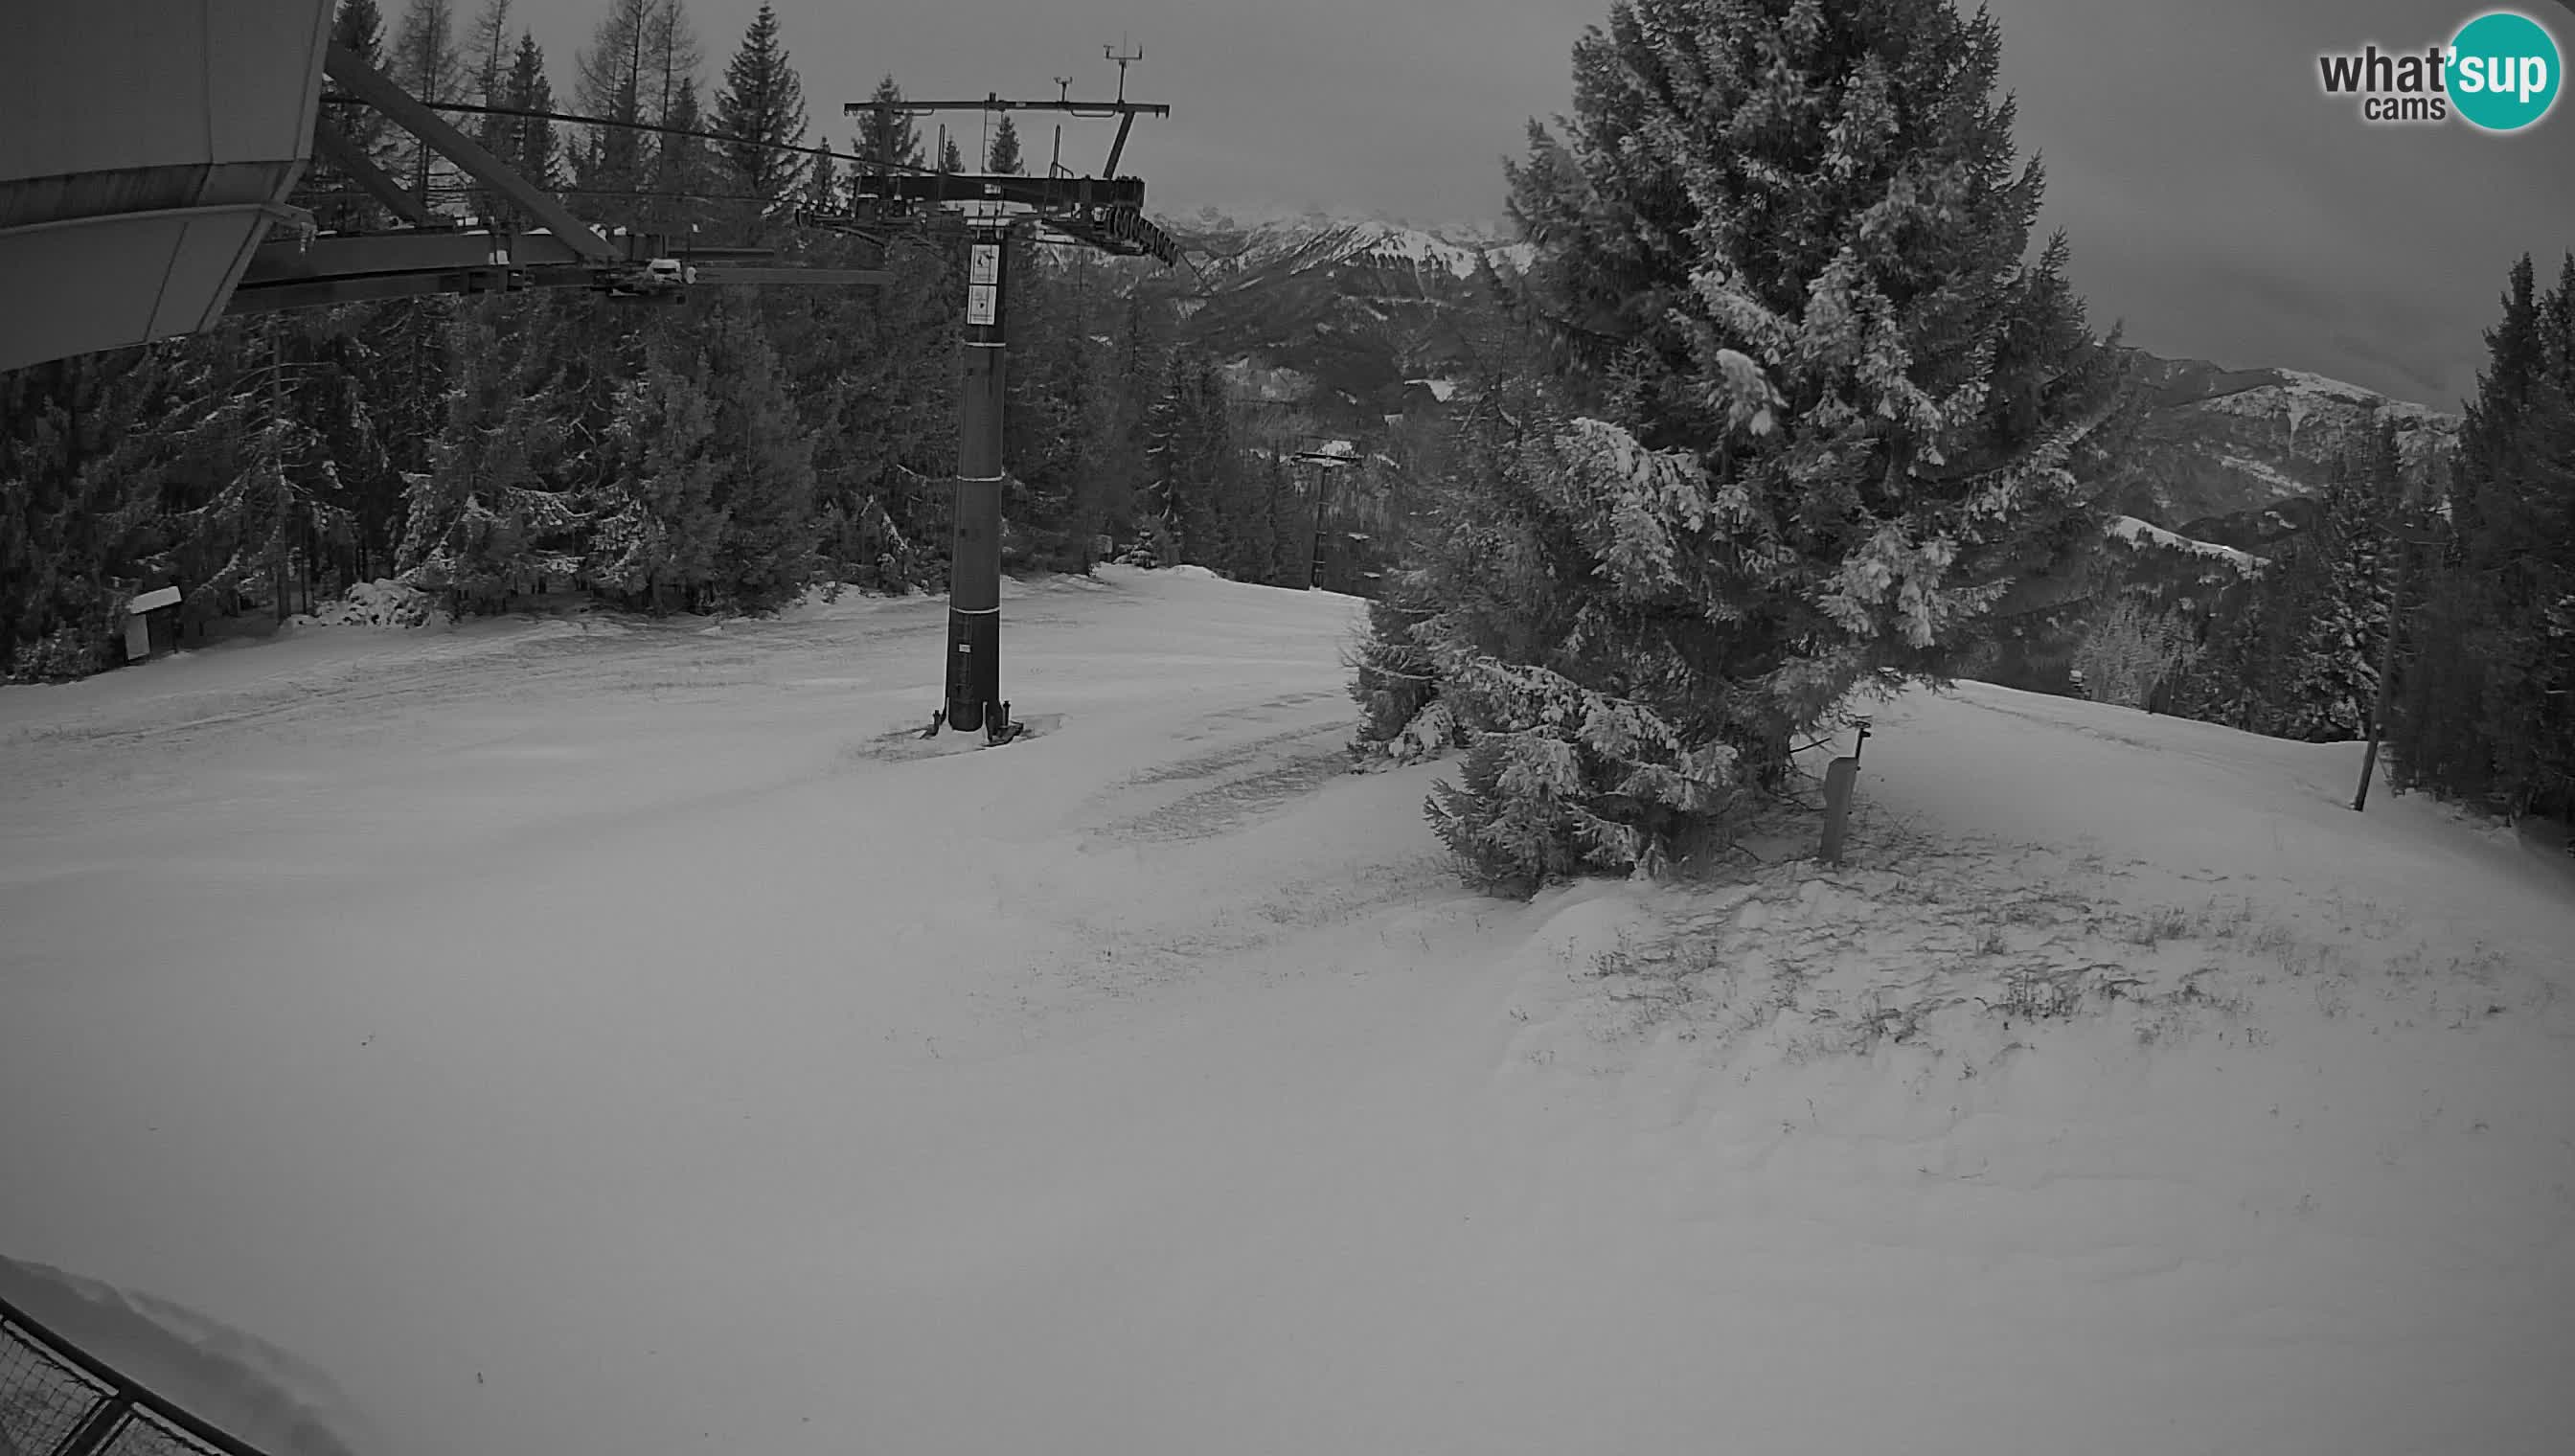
(149,1435)
(42,1400)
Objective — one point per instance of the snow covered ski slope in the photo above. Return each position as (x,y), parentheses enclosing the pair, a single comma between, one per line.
(574,1038)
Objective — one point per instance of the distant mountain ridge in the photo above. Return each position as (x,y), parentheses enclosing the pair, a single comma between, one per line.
(2218,441)
(1333,314)
(1337,313)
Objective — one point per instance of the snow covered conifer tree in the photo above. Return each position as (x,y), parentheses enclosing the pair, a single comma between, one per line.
(1813,400)
(763,489)
(2485,704)
(1004,153)
(659,527)
(2329,681)
(480,521)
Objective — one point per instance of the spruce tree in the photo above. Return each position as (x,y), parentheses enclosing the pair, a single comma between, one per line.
(2526,510)
(821,183)
(83,446)
(2221,684)
(276,487)
(614,162)
(1004,156)
(763,106)
(685,171)
(526,143)
(488,518)
(488,56)
(1134,382)
(2336,611)
(658,527)
(2485,709)
(764,484)
(1190,461)
(886,136)
(1810,412)
(335,201)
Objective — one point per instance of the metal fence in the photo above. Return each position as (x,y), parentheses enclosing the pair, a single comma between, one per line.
(56,1400)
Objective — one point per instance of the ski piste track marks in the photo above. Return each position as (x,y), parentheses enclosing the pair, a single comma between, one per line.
(631,657)
(1237,783)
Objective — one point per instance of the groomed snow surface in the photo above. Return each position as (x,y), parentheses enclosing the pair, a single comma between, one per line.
(602,1037)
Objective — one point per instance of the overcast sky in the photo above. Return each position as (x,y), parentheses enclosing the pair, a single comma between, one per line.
(2217,203)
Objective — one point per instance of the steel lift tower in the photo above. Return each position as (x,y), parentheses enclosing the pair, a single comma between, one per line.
(1105,212)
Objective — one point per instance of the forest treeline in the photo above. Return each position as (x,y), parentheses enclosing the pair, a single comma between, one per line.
(2470,564)
(1788,404)
(725,451)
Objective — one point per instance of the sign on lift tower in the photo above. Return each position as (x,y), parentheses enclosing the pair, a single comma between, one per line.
(1105,212)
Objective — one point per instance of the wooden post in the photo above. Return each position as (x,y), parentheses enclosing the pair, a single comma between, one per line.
(2386,684)
(1838,777)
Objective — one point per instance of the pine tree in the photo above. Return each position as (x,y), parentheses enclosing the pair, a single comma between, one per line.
(487,516)
(685,171)
(2336,606)
(658,527)
(1004,157)
(1190,461)
(764,486)
(886,136)
(763,106)
(426,62)
(335,201)
(528,142)
(2223,682)
(610,82)
(822,184)
(1135,379)
(874,379)
(81,498)
(2130,653)
(672,60)
(952,158)
(2525,503)
(1807,422)
(276,485)
(2485,708)
(487,52)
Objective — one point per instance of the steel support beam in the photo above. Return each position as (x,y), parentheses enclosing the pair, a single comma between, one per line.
(817,277)
(358,255)
(1045,193)
(343,154)
(377,90)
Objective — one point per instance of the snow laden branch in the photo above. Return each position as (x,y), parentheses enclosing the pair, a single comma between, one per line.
(1824,413)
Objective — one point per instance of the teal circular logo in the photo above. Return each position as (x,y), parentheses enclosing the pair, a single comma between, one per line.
(2504,71)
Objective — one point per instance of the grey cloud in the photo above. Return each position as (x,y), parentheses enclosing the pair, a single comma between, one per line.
(2216,199)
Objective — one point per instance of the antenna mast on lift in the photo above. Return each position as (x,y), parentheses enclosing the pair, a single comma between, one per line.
(1105,212)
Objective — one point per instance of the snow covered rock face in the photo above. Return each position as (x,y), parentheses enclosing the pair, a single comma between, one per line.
(2218,441)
